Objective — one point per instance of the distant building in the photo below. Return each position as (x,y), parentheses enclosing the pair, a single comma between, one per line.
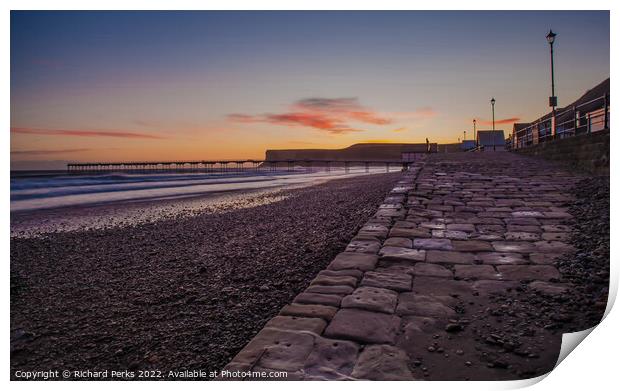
(517,127)
(589,113)
(366,152)
(466,145)
(491,140)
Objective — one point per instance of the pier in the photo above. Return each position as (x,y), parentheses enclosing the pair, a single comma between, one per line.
(232,166)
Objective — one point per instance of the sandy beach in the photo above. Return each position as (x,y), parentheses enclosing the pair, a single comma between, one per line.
(183,292)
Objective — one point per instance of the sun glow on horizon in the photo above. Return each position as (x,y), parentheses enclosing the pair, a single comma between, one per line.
(187,87)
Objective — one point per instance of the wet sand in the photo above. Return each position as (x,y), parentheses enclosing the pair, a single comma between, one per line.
(131,213)
(186,291)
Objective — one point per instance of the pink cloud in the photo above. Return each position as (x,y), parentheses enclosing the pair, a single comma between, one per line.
(48,151)
(498,121)
(326,114)
(84,133)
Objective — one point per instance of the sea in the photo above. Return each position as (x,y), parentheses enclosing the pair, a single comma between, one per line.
(34,190)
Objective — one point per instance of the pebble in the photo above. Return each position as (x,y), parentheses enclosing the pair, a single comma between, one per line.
(454,327)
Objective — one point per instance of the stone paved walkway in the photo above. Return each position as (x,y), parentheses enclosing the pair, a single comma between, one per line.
(403,301)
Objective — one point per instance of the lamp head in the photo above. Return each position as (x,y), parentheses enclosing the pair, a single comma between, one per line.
(551,37)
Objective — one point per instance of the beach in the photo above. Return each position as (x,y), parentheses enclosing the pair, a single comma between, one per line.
(184,291)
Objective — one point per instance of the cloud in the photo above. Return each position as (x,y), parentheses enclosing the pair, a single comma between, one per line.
(346,107)
(84,133)
(327,114)
(498,121)
(398,130)
(48,151)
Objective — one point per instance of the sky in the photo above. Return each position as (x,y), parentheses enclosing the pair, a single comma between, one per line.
(202,85)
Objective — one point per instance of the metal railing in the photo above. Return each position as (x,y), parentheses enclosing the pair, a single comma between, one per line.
(594,119)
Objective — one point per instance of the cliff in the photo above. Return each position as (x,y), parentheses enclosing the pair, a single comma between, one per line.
(359,152)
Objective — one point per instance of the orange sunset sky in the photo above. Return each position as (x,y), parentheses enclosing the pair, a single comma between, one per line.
(119,86)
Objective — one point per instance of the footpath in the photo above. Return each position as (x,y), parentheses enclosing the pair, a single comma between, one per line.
(412,296)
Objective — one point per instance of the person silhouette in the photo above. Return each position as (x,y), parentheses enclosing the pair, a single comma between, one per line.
(428,146)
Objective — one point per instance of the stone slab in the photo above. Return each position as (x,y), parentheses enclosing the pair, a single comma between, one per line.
(462,227)
(410,233)
(451,257)
(432,244)
(471,245)
(495,258)
(398,242)
(556,236)
(331,359)
(343,272)
(447,234)
(548,288)
(351,260)
(544,258)
(294,323)
(382,362)
(309,311)
(431,270)
(396,282)
(371,299)
(389,253)
(334,280)
(486,287)
(477,272)
(363,326)
(331,289)
(318,298)
(364,246)
(529,272)
(513,247)
(527,236)
(524,228)
(545,246)
(425,305)
(277,349)
(440,286)
(555,228)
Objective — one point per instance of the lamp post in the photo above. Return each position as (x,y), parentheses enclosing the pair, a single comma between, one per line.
(493,110)
(553,100)
(464,135)
(475,136)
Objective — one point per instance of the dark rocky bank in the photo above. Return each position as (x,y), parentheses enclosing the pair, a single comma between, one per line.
(185,293)
(524,323)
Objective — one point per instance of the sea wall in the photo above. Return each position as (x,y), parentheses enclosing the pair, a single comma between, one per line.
(449,148)
(587,152)
(360,152)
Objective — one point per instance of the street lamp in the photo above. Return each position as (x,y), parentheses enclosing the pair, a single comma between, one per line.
(553,100)
(493,110)
(475,136)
